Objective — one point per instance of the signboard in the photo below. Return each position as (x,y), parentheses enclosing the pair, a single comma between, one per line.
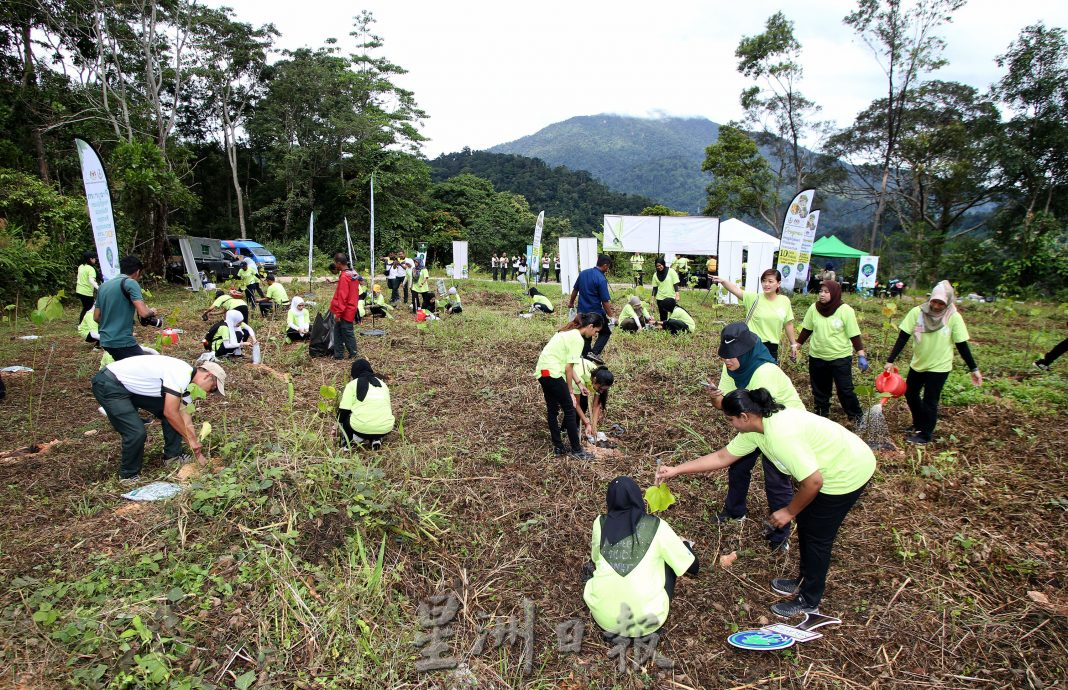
(459,260)
(869,266)
(661,234)
(793,233)
(804,261)
(98,197)
(587,249)
(569,263)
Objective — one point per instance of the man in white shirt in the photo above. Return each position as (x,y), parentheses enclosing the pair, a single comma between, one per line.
(160,385)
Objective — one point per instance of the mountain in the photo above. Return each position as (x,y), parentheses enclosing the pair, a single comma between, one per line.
(557,191)
(657,158)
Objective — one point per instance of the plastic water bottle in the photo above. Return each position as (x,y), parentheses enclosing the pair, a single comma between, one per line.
(256,358)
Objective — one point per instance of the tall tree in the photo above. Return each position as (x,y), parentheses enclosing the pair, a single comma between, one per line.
(742,182)
(902,36)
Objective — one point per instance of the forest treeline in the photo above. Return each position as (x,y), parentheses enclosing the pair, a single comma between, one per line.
(207,128)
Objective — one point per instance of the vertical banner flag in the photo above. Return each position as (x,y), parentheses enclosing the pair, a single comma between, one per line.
(804,260)
(459,260)
(98,197)
(348,243)
(420,253)
(869,266)
(373,267)
(535,256)
(311,239)
(793,232)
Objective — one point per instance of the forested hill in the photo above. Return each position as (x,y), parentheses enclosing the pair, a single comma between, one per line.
(573,194)
(658,158)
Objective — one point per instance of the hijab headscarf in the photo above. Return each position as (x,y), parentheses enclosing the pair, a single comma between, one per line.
(533,291)
(300,316)
(365,378)
(234,320)
(748,363)
(661,273)
(929,320)
(626,507)
(417,270)
(834,302)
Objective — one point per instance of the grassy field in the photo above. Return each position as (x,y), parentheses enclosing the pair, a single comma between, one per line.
(297,566)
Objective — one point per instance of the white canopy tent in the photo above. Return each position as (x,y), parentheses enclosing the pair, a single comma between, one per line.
(734,236)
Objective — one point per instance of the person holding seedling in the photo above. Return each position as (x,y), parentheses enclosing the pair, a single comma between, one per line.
(934,327)
(834,334)
(635,561)
(365,413)
(831,465)
(597,379)
(748,364)
(224,302)
(226,337)
(556,375)
(767,313)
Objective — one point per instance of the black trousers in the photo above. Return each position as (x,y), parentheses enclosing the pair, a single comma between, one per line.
(557,398)
(638,278)
(662,308)
(1051,356)
(87,304)
(817,526)
(124,352)
(630,325)
(252,291)
(344,337)
(347,432)
(825,373)
(296,335)
(777,487)
(597,346)
(393,284)
(675,326)
(773,348)
(542,308)
(922,393)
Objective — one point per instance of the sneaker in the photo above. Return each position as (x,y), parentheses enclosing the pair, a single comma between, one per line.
(581,455)
(722,518)
(595,358)
(376,445)
(605,443)
(793,607)
(559,451)
(786,586)
(617,430)
(183,459)
(780,548)
(129,481)
(917,439)
(1039,364)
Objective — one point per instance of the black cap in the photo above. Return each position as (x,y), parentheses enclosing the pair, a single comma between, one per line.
(736,340)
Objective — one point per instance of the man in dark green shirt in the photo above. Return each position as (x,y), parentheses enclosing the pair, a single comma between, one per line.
(116,303)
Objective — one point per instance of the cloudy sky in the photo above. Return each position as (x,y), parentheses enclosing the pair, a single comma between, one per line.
(491,71)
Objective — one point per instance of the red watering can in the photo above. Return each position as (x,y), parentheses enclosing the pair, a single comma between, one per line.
(890,382)
(420,315)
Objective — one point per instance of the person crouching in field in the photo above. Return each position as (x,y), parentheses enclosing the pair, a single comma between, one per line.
(298,321)
(454,305)
(591,406)
(226,337)
(556,373)
(631,319)
(365,413)
(539,302)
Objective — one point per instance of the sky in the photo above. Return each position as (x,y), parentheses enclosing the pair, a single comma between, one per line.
(488,72)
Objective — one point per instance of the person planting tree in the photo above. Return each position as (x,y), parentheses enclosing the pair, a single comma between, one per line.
(556,374)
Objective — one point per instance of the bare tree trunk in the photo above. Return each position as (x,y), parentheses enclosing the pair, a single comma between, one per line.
(231,157)
(879,208)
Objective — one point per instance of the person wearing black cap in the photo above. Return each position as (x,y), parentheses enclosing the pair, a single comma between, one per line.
(748,364)
(636,559)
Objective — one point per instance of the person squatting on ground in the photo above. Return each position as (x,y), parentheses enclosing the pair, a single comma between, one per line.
(591,406)
(767,313)
(591,291)
(276,296)
(224,302)
(344,306)
(365,413)
(665,286)
(298,320)
(934,327)
(87,283)
(379,307)
(831,465)
(539,302)
(89,329)
(635,559)
(119,299)
(630,319)
(556,374)
(159,385)
(748,364)
(678,319)
(454,305)
(834,334)
(226,337)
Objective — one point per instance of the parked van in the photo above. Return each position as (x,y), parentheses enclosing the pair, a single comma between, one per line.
(209,258)
(247,249)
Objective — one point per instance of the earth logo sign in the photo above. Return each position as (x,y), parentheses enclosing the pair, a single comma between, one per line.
(867,270)
(785,272)
(760,640)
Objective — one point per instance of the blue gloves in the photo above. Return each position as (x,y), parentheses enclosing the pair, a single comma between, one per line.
(862,363)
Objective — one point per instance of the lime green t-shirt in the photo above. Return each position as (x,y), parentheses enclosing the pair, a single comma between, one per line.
(800,443)
(88,325)
(222,334)
(298,322)
(562,349)
(636,263)
(770,377)
(583,370)
(769,317)
(628,312)
(667,285)
(422,283)
(277,293)
(542,300)
(933,351)
(86,274)
(831,334)
(680,314)
(642,588)
(226,302)
(247,276)
(372,415)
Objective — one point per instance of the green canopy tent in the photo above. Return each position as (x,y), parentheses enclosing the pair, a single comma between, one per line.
(835,248)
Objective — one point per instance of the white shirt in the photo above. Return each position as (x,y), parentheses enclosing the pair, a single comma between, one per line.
(153,375)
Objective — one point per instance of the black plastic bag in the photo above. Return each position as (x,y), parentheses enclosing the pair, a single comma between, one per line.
(321,336)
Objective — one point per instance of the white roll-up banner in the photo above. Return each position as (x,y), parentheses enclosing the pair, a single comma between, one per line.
(661,234)
(869,267)
(459,260)
(793,232)
(311,240)
(804,259)
(587,249)
(569,264)
(98,198)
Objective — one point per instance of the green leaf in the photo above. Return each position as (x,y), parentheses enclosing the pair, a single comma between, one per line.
(245,680)
(327,392)
(176,594)
(659,498)
(205,431)
(196,392)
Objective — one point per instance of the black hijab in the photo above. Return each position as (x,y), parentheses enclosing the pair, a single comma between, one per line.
(829,308)
(661,275)
(365,376)
(626,507)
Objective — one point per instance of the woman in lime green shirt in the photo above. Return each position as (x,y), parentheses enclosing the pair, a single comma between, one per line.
(934,327)
(365,412)
(86,284)
(665,286)
(556,373)
(834,334)
(831,465)
(767,313)
(420,287)
(635,560)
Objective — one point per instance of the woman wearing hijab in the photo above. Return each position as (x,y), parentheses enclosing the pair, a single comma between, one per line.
(767,313)
(365,412)
(298,321)
(636,559)
(454,305)
(420,287)
(832,467)
(634,316)
(539,302)
(86,284)
(934,327)
(835,334)
(748,364)
(665,287)
(230,334)
(678,319)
